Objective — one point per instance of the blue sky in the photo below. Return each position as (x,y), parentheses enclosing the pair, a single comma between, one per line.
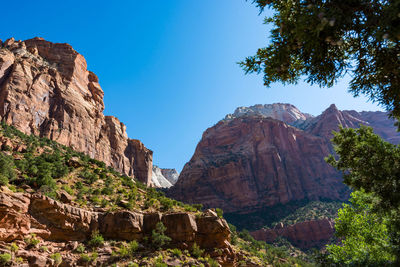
(168,67)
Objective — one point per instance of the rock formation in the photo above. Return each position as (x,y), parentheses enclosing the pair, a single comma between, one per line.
(164,178)
(283,112)
(46,90)
(171,175)
(23,214)
(250,161)
(305,235)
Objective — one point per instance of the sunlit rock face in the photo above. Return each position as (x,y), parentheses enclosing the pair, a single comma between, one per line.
(46,90)
(261,158)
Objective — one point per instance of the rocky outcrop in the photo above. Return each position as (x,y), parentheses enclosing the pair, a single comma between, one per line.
(25,214)
(171,175)
(305,235)
(46,90)
(251,160)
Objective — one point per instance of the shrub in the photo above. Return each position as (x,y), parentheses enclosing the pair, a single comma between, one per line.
(197,251)
(219,212)
(5,258)
(57,258)
(96,240)
(80,248)
(158,238)
(176,252)
(32,241)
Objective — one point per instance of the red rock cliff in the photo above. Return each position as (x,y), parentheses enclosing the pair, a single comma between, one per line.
(308,234)
(46,90)
(248,163)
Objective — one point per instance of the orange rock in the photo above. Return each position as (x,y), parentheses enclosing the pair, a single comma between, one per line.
(46,89)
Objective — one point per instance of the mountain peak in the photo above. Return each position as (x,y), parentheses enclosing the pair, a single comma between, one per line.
(281,111)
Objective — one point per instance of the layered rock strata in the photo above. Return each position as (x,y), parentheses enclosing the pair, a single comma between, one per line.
(25,214)
(46,90)
(305,235)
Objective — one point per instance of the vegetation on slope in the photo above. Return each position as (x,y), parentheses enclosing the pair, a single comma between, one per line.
(31,164)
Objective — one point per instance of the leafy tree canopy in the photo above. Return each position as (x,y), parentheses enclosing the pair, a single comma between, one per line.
(323,40)
(370,227)
(364,234)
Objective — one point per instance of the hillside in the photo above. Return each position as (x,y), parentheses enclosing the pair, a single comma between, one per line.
(60,207)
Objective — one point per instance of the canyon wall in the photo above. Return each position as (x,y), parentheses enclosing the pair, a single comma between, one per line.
(46,90)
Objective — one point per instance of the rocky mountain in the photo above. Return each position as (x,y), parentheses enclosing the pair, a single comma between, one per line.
(255,162)
(164,178)
(46,90)
(283,112)
(171,175)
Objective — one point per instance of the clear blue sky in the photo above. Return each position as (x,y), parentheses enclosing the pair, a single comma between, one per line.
(168,67)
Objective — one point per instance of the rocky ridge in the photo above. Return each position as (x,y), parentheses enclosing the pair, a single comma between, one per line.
(46,90)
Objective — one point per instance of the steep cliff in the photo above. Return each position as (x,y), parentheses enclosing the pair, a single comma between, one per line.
(46,90)
(255,160)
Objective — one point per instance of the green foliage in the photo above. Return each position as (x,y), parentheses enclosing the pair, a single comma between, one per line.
(80,248)
(96,240)
(158,238)
(57,258)
(312,211)
(5,258)
(197,251)
(369,165)
(14,247)
(176,252)
(32,241)
(324,40)
(7,172)
(364,234)
(219,212)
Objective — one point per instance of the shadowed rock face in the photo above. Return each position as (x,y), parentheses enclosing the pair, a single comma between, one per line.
(46,90)
(248,162)
(305,235)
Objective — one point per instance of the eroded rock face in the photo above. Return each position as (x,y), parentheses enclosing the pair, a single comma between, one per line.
(46,90)
(247,163)
(24,214)
(251,160)
(305,235)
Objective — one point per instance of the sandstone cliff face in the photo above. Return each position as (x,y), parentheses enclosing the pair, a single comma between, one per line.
(248,162)
(46,90)
(305,235)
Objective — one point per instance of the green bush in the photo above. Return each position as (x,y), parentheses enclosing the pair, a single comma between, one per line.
(158,238)
(57,258)
(96,239)
(219,212)
(7,169)
(5,258)
(176,252)
(197,251)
